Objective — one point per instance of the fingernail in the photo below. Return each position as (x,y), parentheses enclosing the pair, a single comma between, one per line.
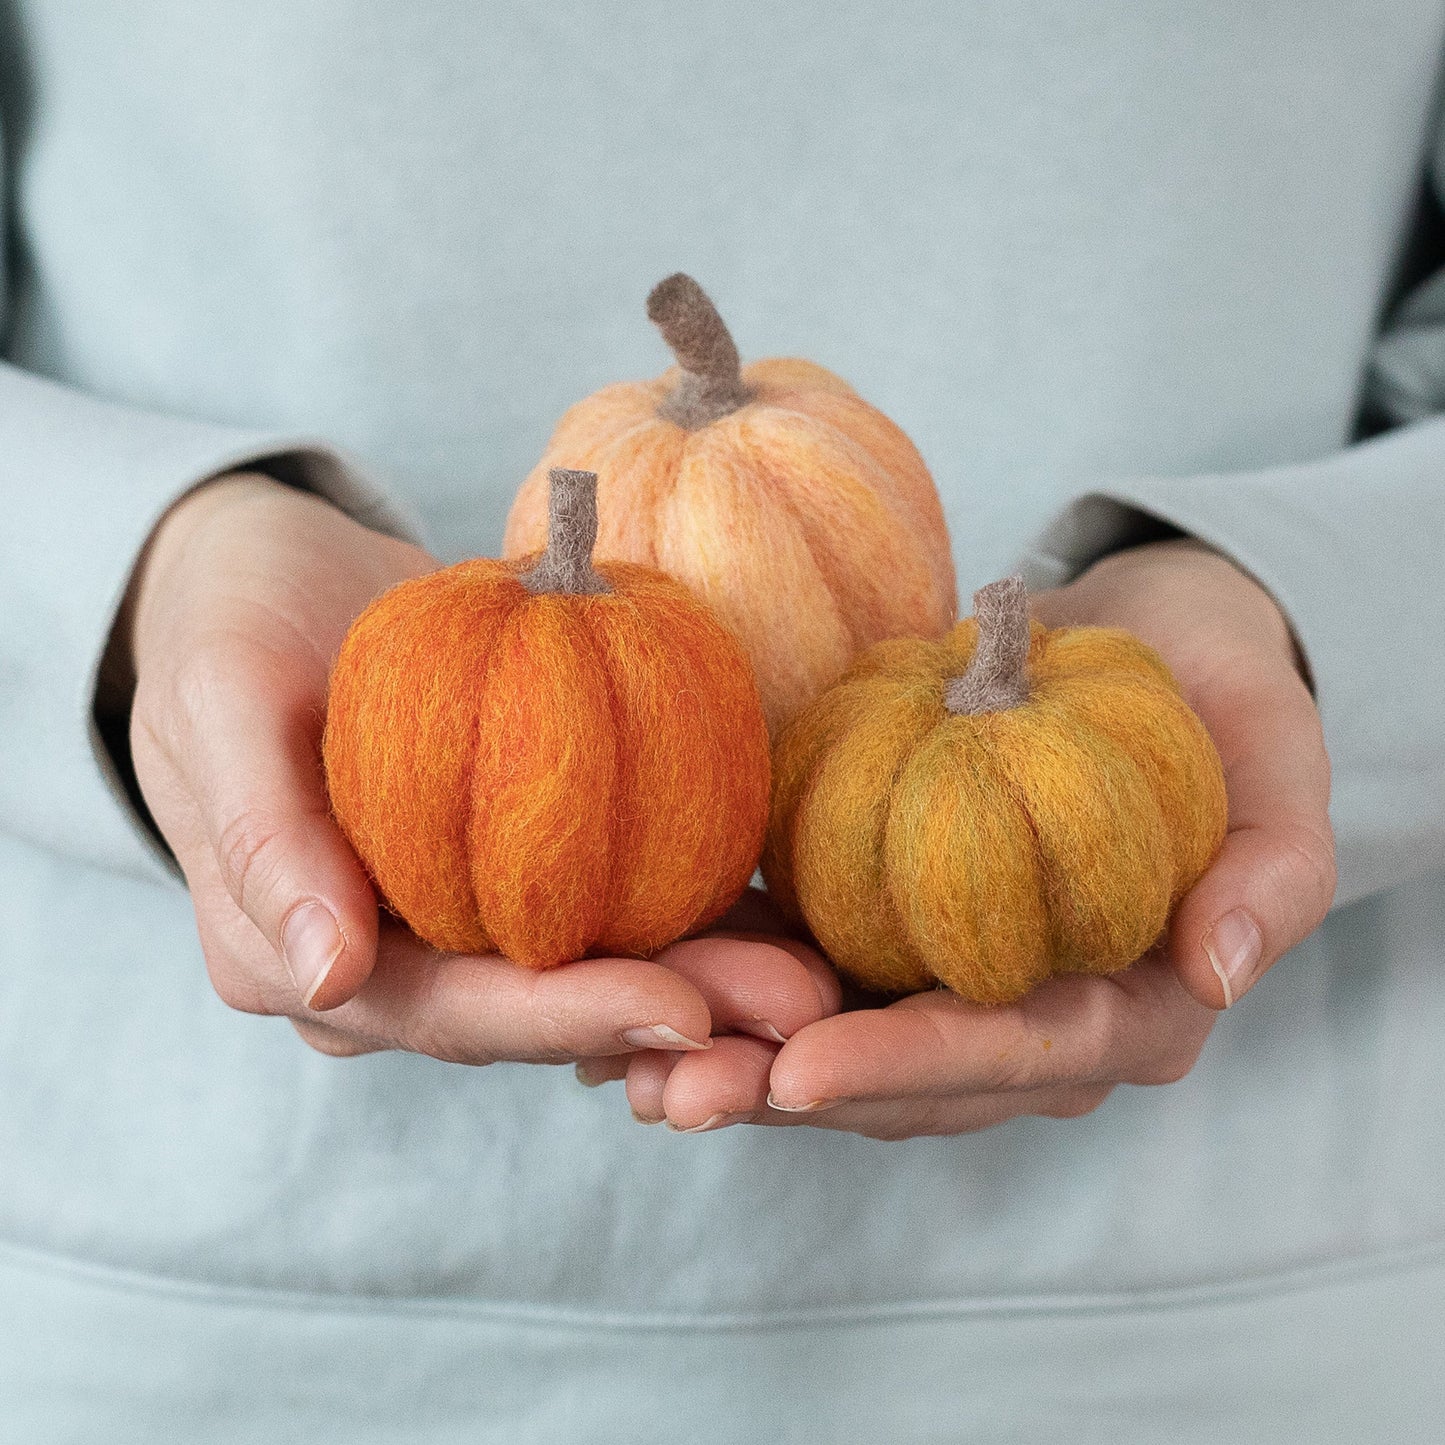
(659,1036)
(1235,947)
(809,1108)
(762,1029)
(643,1119)
(591,1076)
(715,1121)
(312,942)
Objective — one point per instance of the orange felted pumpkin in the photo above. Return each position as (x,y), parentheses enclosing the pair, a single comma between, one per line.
(548,760)
(802,515)
(989,810)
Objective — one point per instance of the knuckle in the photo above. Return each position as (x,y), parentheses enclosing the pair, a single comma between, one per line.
(417,1032)
(155,726)
(1011,1067)
(890,1131)
(330,1042)
(169,713)
(237,990)
(1308,849)
(448,1050)
(915,1119)
(246,850)
(1006,1071)
(425,1020)
(1098,1026)
(433,1031)
(1169,1067)
(1076,1103)
(554,1038)
(244,977)
(199,680)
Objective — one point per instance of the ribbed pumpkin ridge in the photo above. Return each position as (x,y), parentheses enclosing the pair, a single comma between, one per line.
(989,810)
(545,758)
(803,516)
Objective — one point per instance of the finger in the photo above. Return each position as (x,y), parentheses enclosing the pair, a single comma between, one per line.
(475,1010)
(333,1042)
(824,975)
(701,1093)
(1138,1026)
(765,986)
(1274,879)
(251,728)
(593,1073)
(755,916)
(727,1085)
(243,967)
(647,1075)
(754,984)
(968,1114)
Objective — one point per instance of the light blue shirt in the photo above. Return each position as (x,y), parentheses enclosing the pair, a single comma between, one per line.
(1099,260)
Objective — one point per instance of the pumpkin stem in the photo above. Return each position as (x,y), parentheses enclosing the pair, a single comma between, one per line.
(711,385)
(996,677)
(566,565)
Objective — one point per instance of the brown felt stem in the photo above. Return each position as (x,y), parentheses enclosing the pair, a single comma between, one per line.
(711,384)
(566,565)
(996,676)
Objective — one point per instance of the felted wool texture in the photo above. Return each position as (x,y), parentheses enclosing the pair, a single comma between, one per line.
(991,850)
(566,564)
(711,384)
(547,775)
(803,516)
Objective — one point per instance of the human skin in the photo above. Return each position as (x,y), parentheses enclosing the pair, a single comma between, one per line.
(935,1064)
(239,606)
(236,611)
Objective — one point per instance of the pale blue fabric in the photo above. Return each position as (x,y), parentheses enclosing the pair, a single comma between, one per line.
(1100,261)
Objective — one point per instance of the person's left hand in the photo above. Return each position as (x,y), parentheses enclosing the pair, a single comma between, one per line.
(935,1064)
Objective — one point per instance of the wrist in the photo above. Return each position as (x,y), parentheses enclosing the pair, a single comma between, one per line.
(1279,625)
(1223,589)
(116,681)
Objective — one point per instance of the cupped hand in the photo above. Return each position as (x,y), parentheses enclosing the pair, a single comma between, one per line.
(935,1064)
(237,611)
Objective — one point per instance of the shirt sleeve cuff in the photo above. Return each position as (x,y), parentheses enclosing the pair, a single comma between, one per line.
(85,482)
(1350,547)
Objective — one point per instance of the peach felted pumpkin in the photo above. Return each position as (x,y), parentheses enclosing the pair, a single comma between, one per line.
(988,810)
(778,495)
(546,759)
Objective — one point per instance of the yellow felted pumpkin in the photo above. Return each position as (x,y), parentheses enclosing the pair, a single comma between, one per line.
(989,810)
(547,759)
(801,514)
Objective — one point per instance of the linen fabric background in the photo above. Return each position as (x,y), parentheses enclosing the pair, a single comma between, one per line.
(1104,263)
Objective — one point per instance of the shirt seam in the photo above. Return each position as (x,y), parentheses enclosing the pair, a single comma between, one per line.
(1200,1295)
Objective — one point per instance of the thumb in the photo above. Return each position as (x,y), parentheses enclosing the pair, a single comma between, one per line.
(257,779)
(1274,878)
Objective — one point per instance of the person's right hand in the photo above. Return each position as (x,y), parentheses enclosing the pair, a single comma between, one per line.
(236,613)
